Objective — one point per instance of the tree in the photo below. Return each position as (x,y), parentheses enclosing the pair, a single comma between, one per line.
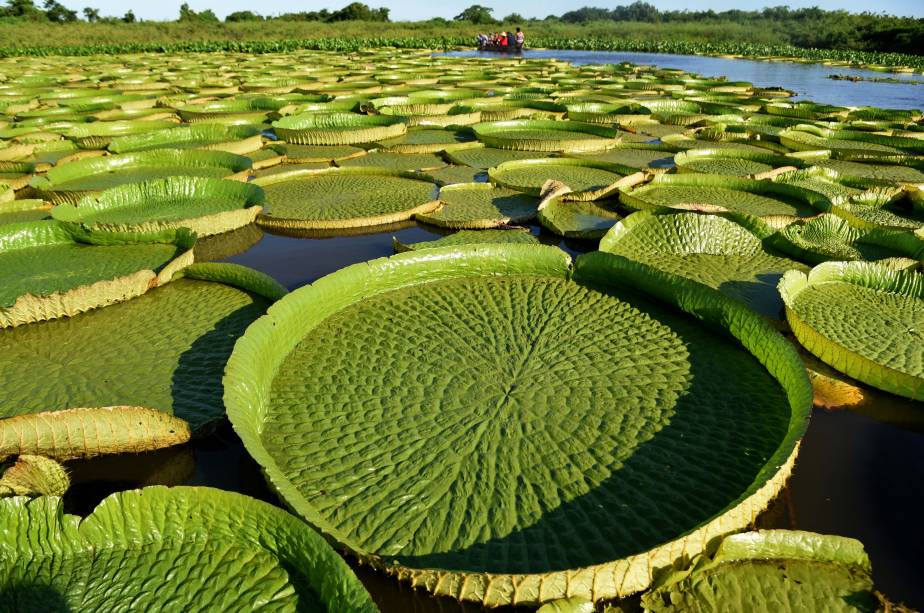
(514,18)
(25,9)
(357,11)
(476,14)
(187,15)
(243,16)
(91,14)
(129,17)
(57,12)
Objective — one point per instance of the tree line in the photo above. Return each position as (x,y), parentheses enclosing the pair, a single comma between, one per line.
(811,28)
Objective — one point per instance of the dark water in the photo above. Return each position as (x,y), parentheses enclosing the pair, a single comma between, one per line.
(808,81)
(857,475)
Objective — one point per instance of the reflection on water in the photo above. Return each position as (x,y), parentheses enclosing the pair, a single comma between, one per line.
(808,81)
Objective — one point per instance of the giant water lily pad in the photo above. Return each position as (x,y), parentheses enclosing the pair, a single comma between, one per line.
(164,350)
(337,128)
(73,181)
(728,252)
(712,193)
(732,162)
(49,270)
(198,549)
(340,198)
(428,140)
(16,211)
(470,237)
(588,180)
(829,237)
(494,400)
(215,137)
(771,571)
(99,134)
(488,157)
(850,315)
(473,206)
(205,206)
(301,154)
(395,161)
(539,135)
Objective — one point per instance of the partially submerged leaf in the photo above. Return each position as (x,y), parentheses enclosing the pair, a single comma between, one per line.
(202,548)
(33,475)
(771,571)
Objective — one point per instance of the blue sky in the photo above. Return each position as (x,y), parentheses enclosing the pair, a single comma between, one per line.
(413,10)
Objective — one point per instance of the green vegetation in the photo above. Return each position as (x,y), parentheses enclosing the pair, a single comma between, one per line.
(482,416)
(811,34)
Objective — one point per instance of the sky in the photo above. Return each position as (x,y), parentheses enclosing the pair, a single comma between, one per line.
(412,10)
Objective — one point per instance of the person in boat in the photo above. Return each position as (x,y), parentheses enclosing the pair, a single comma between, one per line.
(503,41)
(519,39)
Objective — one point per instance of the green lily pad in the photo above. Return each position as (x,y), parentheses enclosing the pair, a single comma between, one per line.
(337,128)
(18,211)
(214,137)
(470,237)
(488,157)
(53,270)
(770,571)
(577,219)
(829,237)
(713,193)
(728,252)
(634,158)
(395,161)
(848,315)
(205,206)
(73,181)
(205,548)
(588,180)
(569,397)
(450,175)
(302,154)
(548,136)
(341,198)
(164,350)
(99,134)
(428,140)
(473,206)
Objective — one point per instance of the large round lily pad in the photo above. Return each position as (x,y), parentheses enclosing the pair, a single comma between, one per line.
(193,549)
(340,198)
(713,193)
(488,157)
(731,253)
(49,269)
(474,206)
(539,135)
(337,128)
(495,400)
(588,180)
(164,350)
(205,206)
(851,315)
(470,237)
(214,137)
(75,180)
